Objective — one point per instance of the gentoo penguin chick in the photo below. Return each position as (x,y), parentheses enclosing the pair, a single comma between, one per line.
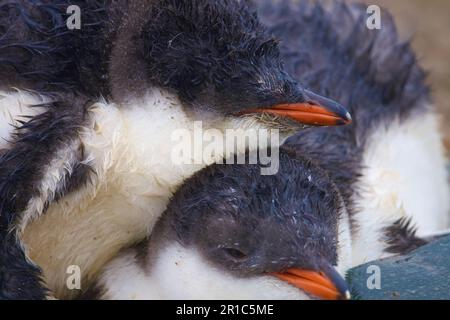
(390,164)
(231,233)
(88,167)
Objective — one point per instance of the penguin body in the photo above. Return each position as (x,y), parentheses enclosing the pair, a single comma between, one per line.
(390,164)
(88,167)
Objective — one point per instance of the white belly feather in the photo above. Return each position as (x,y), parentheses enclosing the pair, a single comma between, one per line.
(404,176)
(183,274)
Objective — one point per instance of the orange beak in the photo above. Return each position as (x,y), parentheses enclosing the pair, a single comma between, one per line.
(315,283)
(315,111)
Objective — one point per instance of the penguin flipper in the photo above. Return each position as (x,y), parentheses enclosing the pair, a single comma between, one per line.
(402,238)
(37,169)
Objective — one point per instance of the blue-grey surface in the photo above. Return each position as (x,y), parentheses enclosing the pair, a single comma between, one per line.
(423,274)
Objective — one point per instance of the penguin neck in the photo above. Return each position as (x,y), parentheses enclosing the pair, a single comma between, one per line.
(178,272)
(155,140)
(133,141)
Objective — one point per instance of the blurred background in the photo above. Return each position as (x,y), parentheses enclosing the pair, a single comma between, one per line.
(428,23)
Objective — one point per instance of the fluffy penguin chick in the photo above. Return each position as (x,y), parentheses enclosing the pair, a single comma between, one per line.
(231,233)
(390,165)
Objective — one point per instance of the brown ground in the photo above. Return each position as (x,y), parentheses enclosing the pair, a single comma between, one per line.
(428,21)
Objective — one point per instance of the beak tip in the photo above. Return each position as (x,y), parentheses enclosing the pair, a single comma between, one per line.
(347,295)
(348,117)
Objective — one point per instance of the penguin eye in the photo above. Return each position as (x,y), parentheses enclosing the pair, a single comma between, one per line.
(235,254)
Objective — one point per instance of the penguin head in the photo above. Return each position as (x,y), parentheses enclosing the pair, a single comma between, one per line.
(224,67)
(231,233)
